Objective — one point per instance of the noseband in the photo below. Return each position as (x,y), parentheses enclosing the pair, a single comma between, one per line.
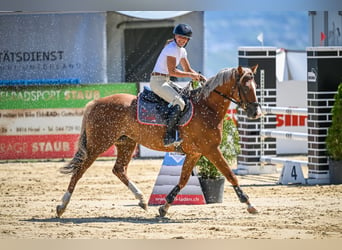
(240,103)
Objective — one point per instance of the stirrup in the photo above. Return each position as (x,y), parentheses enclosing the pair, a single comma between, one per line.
(178,142)
(171,141)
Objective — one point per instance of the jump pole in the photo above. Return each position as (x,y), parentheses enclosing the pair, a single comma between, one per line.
(284,135)
(284,110)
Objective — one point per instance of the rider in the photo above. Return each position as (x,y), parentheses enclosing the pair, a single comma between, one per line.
(172,54)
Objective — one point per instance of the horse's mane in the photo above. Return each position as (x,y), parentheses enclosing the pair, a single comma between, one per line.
(215,81)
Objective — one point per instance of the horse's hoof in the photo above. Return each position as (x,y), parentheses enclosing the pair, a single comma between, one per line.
(143,205)
(60,210)
(252,210)
(162,211)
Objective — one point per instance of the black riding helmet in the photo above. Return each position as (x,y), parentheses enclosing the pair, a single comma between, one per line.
(183,30)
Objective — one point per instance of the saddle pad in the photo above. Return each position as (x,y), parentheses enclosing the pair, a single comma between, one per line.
(152,113)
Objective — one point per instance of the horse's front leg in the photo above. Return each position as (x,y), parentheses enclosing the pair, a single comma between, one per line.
(220,162)
(188,165)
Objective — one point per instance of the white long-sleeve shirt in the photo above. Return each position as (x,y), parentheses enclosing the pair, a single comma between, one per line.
(170,49)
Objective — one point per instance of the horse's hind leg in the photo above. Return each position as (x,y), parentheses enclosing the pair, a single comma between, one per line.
(125,148)
(78,165)
(89,149)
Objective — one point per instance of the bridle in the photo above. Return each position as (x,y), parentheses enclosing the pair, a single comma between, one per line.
(241,93)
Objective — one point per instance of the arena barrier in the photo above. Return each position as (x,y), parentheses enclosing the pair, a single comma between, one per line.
(284,111)
(322,80)
(292,172)
(284,135)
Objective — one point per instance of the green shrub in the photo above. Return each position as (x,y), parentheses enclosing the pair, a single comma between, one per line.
(334,137)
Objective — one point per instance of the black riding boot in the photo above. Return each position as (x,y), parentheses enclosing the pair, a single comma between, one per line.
(172,122)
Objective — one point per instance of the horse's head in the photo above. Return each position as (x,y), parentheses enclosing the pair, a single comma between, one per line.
(246,92)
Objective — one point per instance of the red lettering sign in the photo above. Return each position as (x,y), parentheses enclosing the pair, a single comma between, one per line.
(42,147)
(291,120)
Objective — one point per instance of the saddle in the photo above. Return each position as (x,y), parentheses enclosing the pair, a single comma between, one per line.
(153,110)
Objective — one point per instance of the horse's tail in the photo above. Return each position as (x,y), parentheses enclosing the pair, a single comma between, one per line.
(80,155)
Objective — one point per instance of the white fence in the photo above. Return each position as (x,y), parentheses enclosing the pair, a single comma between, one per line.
(292,169)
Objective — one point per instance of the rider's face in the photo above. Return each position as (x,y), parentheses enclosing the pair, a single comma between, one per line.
(181,40)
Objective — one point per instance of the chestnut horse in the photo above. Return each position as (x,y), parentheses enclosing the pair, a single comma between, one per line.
(113,120)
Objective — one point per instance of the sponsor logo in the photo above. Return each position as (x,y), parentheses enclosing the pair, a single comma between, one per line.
(312,75)
(291,120)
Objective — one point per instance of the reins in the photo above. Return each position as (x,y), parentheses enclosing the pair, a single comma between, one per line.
(241,104)
(237,82)
(227,97)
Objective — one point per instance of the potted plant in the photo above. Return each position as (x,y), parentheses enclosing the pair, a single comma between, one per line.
(334,140)
(211,179)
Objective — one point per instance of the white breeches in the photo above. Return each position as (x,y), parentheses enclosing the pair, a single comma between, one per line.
(160,86)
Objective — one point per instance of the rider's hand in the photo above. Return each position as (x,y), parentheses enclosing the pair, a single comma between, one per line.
(195,76)
(202,78)
(198,77)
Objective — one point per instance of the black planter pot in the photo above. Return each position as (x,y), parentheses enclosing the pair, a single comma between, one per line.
(212,189)
(335,169)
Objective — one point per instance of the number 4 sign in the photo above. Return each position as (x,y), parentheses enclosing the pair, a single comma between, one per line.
(292,174)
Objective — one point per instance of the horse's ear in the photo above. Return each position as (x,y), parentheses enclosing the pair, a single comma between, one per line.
(254,68)
(240,70)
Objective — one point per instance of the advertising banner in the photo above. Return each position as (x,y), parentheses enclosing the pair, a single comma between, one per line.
(62,96)
(168,178)
(43,122)
(52,48)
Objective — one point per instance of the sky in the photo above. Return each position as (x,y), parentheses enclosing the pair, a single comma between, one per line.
(225,31)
